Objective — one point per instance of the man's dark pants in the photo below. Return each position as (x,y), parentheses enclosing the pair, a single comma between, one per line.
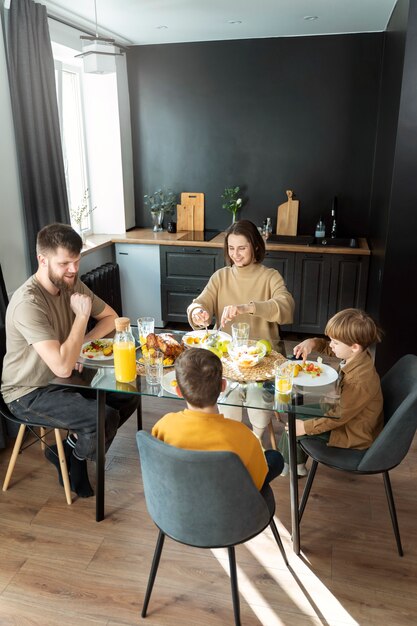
(75,410)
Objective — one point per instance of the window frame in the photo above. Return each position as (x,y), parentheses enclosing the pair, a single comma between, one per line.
(60,68)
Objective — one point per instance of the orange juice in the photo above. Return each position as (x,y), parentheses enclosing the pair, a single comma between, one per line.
(284,385)
(124,361)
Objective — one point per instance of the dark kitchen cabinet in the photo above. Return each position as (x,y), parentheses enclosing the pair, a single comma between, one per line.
(311,292)
(348,283)
(321,284)
(325,284)
(284,262)
(185,272)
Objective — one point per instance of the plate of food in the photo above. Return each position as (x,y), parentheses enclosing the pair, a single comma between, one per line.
(204,339)
(166,343)
(98,349)
(247,354)
(312,373)
(169,383)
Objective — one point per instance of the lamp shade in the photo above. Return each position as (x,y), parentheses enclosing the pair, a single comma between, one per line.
(99,57)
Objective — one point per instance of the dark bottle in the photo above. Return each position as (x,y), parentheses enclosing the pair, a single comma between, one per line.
(333,229)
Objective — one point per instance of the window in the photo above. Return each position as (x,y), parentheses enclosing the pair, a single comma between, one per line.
(68,85)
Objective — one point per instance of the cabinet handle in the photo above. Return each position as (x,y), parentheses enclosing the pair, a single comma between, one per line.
(124,253)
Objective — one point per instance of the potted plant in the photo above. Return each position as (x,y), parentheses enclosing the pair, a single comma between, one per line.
(79,214)
(161,203)
(232,201)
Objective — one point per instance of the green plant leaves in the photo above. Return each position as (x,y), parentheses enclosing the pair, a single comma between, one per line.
(232,201)
(161,200)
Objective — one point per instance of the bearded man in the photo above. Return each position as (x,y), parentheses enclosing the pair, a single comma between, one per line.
(46,323)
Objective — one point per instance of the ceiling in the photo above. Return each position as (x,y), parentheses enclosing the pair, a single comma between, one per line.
(172,21)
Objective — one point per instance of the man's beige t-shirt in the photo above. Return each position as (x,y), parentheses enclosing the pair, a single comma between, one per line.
(35,315)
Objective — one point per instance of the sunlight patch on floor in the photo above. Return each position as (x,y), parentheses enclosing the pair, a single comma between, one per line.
(266,615)
(312,597)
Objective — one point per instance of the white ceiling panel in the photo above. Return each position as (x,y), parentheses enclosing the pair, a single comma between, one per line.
(172,21)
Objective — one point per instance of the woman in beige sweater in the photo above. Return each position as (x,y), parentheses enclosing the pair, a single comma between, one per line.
(249,291)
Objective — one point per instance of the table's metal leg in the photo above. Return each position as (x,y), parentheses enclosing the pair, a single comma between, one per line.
(139,414)
(100,453)
(295,522)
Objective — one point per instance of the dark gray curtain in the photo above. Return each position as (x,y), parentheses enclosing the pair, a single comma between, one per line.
(4,301)
(36,121)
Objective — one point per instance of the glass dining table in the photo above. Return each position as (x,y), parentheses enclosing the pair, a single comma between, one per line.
(254,394)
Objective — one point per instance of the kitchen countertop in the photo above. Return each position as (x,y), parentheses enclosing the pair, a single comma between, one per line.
(163,238)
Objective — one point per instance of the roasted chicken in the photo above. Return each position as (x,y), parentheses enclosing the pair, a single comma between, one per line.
(166,343)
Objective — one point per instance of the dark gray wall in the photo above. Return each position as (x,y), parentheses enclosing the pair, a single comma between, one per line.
(268,115)
(390,93)
(397,205)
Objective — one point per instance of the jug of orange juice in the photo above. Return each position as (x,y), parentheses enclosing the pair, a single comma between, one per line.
(124,351)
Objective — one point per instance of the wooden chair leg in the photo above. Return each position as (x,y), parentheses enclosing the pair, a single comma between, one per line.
(63,465)
(13,458)
(43,434)
(272,436)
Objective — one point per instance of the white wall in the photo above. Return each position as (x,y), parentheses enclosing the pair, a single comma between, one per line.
(13,256)
(108,139)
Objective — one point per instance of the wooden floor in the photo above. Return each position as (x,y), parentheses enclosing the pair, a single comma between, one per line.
(58,566)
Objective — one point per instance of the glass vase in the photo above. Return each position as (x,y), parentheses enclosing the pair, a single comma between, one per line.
(157,219)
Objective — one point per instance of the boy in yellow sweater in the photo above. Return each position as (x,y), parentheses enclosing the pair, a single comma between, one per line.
(201,427)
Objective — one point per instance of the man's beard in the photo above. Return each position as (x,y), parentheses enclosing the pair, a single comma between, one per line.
(60,283)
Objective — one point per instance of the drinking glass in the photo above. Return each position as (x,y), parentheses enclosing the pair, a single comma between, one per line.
(146,326)
(153,367)
(240,332)
(283,382)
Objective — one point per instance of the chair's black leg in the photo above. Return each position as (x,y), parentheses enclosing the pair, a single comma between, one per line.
(278,540)
(154,569)
(139,414)
(233,582)
(307,489)
(393,513)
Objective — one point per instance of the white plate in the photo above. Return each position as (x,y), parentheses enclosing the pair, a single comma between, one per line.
(166,382)
(199,334)
(99,356)
(327,376)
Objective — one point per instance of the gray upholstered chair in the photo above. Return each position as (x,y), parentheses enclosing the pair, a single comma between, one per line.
(399,388)
(202,499)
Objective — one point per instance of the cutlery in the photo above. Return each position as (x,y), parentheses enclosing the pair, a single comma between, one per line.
(229,391)
(211,340)
(242,391)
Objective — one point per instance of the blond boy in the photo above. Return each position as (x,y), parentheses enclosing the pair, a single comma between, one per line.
(358,419)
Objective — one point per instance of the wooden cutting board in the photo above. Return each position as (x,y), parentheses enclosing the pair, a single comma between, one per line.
(190,213)
(185,217)
(287,216)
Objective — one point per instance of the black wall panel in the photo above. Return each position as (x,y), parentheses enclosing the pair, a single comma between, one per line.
(268,115)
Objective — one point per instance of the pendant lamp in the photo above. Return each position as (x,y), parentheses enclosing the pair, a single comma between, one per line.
(99,53)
